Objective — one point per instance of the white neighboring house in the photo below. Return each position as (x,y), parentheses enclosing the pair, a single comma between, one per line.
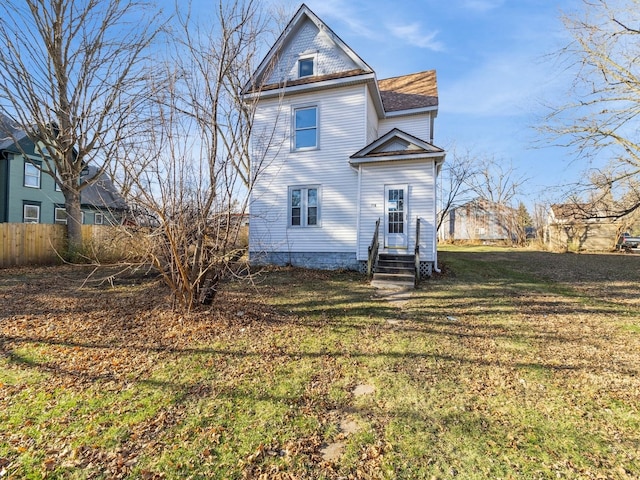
(338,150)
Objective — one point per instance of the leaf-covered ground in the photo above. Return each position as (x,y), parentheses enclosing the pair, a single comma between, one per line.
(511,364)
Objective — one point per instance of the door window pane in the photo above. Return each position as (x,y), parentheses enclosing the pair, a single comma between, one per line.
(395,207)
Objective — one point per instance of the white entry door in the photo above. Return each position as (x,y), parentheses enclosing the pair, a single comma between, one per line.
(396,212)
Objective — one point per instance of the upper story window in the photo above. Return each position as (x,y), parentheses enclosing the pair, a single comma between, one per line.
(306,67)
(305,126)
(31,175)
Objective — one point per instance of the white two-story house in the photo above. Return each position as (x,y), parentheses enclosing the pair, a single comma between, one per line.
(337,152)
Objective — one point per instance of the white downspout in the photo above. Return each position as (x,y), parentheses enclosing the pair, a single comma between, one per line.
(435,219)
(358,212)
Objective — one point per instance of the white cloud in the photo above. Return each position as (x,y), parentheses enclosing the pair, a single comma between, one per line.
(412,34)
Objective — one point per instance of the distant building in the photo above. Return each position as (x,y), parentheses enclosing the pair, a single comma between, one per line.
(581,226)
(29,194)
(479,220)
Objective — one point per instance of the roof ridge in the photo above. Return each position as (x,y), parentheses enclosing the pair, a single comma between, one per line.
(407,75)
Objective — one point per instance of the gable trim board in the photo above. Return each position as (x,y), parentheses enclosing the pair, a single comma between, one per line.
(361,148)
(295,24)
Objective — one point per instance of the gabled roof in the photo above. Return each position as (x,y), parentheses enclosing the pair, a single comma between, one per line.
(273,56)
(408,92)
(394,146)
(10,132)
(102,193)
(485,205)
(583,212)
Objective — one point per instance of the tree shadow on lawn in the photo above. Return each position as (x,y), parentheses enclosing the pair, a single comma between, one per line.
(280,356)
(125,325)
(568,268)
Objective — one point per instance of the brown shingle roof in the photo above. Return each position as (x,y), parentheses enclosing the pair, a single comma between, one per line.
(308,80)
(571,212)
(418,90)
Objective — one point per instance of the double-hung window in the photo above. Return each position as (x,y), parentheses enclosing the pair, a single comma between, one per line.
(60,215)
(304,206)
(305,127)
(31,175)
(31,212)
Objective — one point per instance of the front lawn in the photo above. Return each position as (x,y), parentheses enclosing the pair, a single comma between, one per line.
(511,364)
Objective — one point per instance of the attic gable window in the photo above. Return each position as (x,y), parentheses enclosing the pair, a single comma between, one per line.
(306,67)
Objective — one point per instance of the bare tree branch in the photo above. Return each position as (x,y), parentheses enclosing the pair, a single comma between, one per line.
(75,72)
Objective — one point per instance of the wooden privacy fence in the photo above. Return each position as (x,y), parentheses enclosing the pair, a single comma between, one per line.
(41,244)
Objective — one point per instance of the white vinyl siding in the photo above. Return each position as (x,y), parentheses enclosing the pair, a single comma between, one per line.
(416,125)
(342,126)
(372,119)
(419,178)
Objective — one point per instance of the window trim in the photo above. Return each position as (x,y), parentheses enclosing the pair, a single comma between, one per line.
(38,166)
(306,58)
(55,216)
(304,206)
(295,129)
(96,216)
(35,205)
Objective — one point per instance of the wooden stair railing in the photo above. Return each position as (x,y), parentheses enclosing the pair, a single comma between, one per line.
(373,251)
(417,250)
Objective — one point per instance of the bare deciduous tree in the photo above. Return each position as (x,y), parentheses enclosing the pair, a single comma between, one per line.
(194,170)
(496,181)
(456,174)
(72,73)
(602,115)
(489,183)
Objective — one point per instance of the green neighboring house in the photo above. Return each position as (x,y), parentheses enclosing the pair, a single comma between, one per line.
(28,194)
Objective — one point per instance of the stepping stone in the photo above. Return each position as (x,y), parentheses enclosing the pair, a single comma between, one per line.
(348,426)
(363,390)
(332,452)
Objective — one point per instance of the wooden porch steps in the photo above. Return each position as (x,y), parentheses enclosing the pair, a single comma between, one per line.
(395,271)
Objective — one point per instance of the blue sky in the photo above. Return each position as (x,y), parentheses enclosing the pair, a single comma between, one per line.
(493,66)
